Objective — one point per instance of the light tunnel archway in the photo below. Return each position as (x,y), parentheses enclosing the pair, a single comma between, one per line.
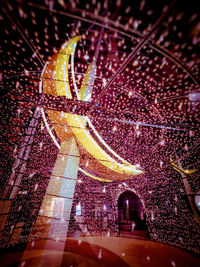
(131,211)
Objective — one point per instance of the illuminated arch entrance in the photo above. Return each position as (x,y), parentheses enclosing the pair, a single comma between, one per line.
(130,212)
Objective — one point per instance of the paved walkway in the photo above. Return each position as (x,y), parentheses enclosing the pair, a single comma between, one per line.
(97,251)
(135,234)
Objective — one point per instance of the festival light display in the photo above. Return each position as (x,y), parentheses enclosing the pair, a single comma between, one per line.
(59,85)
(100,98)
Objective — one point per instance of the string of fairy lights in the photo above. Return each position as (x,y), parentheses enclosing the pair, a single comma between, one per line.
(145,116)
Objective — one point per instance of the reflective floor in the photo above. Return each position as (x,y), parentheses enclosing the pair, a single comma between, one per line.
(99,251)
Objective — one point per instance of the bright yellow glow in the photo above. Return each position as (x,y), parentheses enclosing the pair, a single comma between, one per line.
(61,70)
(76,122)
(181,170)
(85,82)
(94,177)
(84,137)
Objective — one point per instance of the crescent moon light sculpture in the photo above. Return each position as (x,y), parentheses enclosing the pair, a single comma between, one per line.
(181,170)
(75,124)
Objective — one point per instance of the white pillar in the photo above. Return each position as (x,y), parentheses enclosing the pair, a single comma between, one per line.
(53,219)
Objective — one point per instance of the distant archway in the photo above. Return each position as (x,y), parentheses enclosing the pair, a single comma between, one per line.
(130,211)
